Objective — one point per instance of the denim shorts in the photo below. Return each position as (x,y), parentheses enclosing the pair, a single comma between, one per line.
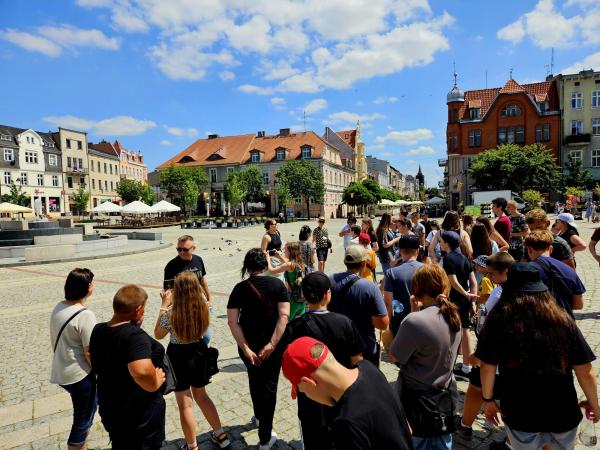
(83,397)
(443,442)
(524,440)
(322,254)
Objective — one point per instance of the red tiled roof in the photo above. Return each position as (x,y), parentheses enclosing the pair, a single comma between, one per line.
(292,143)
(104,147)
(487,97)
(351,139)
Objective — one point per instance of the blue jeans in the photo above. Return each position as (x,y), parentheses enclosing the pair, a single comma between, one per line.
(207,336)
(85,402)
(443,442)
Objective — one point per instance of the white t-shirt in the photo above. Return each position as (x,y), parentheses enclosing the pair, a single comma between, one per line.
(347,237)
(68,364)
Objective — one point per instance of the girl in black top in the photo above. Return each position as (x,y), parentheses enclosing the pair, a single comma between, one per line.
(271,241)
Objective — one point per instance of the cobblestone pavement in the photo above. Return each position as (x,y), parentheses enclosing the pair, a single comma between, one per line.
(35,414)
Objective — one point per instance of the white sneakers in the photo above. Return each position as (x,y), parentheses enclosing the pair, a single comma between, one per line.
(269,444)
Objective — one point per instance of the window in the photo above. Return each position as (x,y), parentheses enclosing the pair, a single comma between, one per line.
(575,155)
(68,143)
(79,145)
(82,181)
(7,178)
(5,137)
(110,167)
(40,179)
(474,113)
(474,138)
(266,177)
(9,154)
(53,160)
(543,106)
(229,171)
(511,111)
(105,171)
(255,157)
(213,175)
(595,158)
(519,135)
(105,185)
(576,127)
(55,180)
(542,132)
(23,179)
(93,183)
(98,163)
(69,164)
(280,154)
(576,100)
(306,152)
(80,163)
(112,186)
(70,182)
(596,127)
(596,99)
(92,166)
(31,157)
(346,136)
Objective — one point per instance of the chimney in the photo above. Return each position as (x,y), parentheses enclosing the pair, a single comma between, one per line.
(260,134)
(284,132)
(213,136)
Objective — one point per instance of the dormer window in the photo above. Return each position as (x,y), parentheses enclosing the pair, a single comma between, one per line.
(306,152)
(474,113)
(511,111)
(543,106)
(5,137)
(255,156)
(346,136)
(186,159)
(280,154)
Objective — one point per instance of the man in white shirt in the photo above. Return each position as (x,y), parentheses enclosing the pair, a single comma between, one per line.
(346,231)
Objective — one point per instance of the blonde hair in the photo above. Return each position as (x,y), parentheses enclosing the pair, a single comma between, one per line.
(293,247)
(189,314)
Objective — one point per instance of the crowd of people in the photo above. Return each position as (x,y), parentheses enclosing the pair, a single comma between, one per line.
(502,295)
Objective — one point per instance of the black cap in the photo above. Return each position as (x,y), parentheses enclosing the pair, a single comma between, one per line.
(409,241)
(452,238)
(525,278)
(315,285)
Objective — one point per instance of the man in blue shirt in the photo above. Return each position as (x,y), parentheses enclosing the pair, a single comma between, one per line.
(360,300)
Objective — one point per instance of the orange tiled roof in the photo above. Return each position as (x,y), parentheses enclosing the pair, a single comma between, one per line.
(351,139)
(217,151)
(104,147)
(292,143)
(486,97)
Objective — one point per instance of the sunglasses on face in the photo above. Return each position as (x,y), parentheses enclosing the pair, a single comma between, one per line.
(183,249)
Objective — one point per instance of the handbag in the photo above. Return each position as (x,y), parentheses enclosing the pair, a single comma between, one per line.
(170,378)
(64,325)
(212,357)
(329,243)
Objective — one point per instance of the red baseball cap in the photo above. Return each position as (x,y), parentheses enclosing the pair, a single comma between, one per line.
(298,362)
(364,238)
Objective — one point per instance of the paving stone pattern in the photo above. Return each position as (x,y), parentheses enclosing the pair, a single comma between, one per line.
(35,414)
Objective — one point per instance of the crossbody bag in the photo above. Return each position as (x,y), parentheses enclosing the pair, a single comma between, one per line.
(64,325)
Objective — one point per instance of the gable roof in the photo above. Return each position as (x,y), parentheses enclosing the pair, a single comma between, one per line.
(351,139)
(105,148)
(292,142)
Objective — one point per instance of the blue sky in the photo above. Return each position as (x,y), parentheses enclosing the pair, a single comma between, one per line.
(160,74)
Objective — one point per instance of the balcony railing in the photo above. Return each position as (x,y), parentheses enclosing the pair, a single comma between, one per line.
(578,139)
(83,170)
(442,162)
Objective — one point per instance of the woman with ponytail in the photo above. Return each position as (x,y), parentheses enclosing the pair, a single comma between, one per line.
(426,347)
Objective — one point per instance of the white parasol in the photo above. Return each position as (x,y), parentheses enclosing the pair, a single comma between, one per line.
(165,206)
(137,207)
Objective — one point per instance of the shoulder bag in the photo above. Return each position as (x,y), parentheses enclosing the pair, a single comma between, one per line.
(170,378)
(64,325)
(341,294)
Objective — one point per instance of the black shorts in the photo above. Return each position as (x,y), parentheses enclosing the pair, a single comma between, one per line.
(322,253)
(190,364)
(464,311)
(146,432)
(475,380)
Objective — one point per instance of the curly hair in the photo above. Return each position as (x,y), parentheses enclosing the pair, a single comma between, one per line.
(255,260)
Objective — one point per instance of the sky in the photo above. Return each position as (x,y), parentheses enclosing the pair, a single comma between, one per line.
(157,74)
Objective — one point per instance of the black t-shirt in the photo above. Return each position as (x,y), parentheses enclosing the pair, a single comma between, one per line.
(336,331)
(258,315)
(567,235)
(121,401)
(427,225)
(370,415)
(458,264)
(178,265)
(537,402)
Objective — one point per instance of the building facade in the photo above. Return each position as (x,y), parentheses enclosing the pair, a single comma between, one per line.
(32,161)
(221,155)
(104,173)
(131,164)
(483,119)
(580,106)
(73,145)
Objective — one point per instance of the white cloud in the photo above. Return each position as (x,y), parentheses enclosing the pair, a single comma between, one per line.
(278,101)
(227,75)
(113,126)
(128,20)
(382,100)
(407,137)
(31,42)
(252,89)
(348,117)
(315,106)
(276,70)
(174,131)
(385,154)
(165,142)
(564,31)
(422,150)
(51,41)
(589,62)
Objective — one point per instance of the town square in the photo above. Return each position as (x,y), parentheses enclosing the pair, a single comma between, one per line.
(300,224)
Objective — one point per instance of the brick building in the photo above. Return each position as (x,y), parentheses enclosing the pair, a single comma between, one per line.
(483,119)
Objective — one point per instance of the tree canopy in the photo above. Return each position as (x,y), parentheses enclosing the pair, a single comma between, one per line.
(173,179)
(132,190)
(302,179)
(373,187)
(516,168)
(16,196)
(575,175)
(357,194)
(81,197)
(252,180)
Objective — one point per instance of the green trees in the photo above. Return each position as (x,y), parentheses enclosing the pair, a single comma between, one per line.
(302,179)
(234,190)
(81,197)
(575,175)
(252,180)
(356,194)
(175,182)
(132,190)
(16,196)
(516,168)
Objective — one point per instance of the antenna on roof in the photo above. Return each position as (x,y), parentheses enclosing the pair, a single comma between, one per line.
(511,71)
(304,118)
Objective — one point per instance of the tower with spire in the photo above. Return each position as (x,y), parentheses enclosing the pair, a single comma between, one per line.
(420,183)
(361,159)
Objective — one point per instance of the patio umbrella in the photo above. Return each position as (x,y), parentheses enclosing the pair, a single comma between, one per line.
(435,201)
(386,202)
(137,207)
(401,202)
(7,207)
(165,206)
(107,207)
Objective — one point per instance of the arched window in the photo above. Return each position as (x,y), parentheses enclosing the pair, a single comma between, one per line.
(511,111)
